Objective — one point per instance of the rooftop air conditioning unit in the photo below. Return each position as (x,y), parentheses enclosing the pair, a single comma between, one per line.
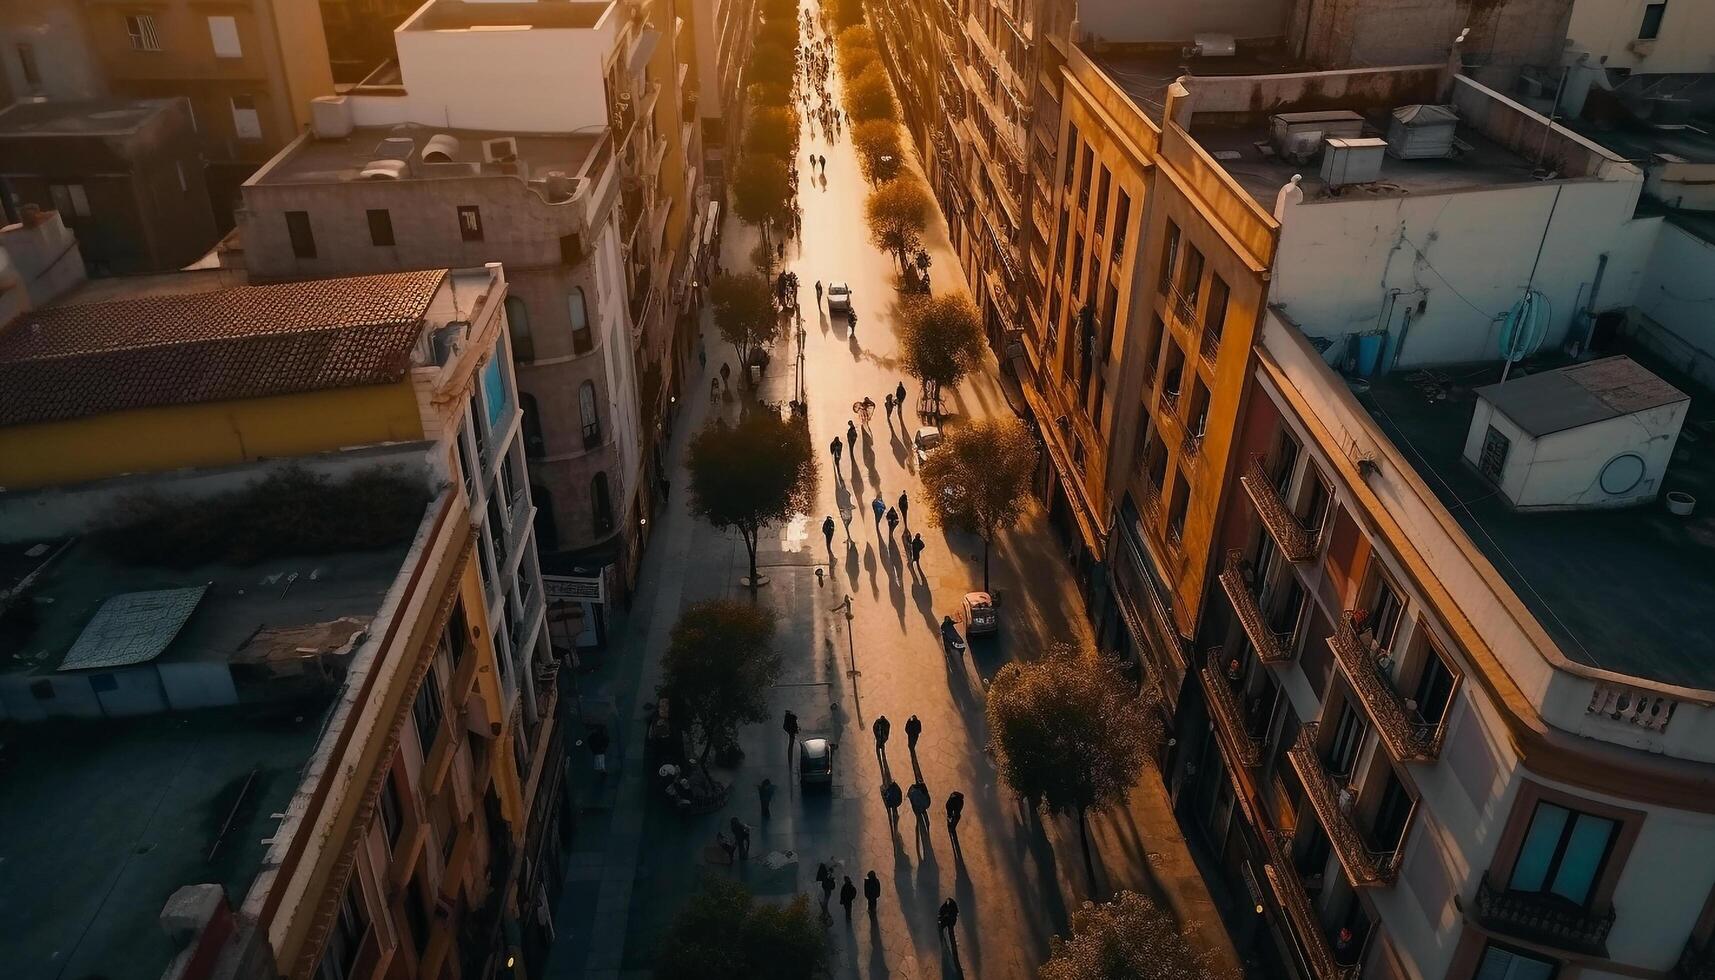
(501,149)
(330,117)
(1347,160)
(1298,136)
(1422,132)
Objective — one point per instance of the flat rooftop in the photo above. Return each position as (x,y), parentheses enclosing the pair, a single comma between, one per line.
(332,161)
(460,15)
(1145,73)
(1243,151)
(100,822)
(1625,590)
(86,117)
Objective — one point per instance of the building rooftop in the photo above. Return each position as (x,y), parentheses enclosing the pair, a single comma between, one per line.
(76,359)
(102,821)
(1627,590)
(1579,394)
(92,117)
(1145,73)
(464,15)
(1240,149)
(328,161)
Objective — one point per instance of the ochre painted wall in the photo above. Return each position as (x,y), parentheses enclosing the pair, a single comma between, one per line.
(210,434)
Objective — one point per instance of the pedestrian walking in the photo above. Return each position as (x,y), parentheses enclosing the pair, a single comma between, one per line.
(947,918)
(702,356)
(919,796)
(871,891)
(789,725)
(881,728)
(848,895)
(741,836)
(835,448)
(825,878)
(780,249)
(955,810)
(765,795)
(818,294)
(726,375)
(892,521)
(879,508)
(891,797)
(887,401)
(598,743)
(899,398)
(917,550)
(828,526)
(905,507)
(851,435)
(913,731)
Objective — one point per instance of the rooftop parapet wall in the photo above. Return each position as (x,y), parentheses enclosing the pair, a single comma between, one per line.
(1217,99)
(1529,134)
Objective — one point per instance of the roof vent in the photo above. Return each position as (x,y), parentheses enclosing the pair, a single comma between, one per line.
(502,149)
(383,170)
(395,148)
(441,148)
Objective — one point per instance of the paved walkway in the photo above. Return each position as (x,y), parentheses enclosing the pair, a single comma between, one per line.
(1015,875)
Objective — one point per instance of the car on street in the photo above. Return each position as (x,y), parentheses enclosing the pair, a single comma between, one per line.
(981,615)
(815,761)
(928,438)
(839,298)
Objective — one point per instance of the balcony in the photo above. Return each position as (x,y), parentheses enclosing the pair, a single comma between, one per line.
(1272,647)
(1548,921)
(1298,543)
(1151,498)
(1190,445)
(1289,894)
(1333,808)
(1211,346)
(1184,307)
(1407,735)
(1229,717)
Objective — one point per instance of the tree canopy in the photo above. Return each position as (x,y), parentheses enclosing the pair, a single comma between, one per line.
(1129,938)
(772,131)
(772,63)
(940,341)
(761,189)
(719,666)
(756,472)
(780,9)
(847,13)
(854,58)
(879,151)
(897,213)
(768,93)
(1067,733)
(725,933)
(868,96)
(744,312)
(978,479)
(779,31)
(856,36)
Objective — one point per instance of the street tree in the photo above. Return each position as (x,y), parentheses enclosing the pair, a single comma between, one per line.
(868,96)
(725,933)
(940,342)
(768,93)
(898,213)
(879,151)
(772,63)
(855,57)
(856,36)
(718,668)
(1067,734)
(752,473)
(847,13)
(978,479)
(772,131)
(780,31)
(1129,938)
(744,312)
(780,10)
(761,191)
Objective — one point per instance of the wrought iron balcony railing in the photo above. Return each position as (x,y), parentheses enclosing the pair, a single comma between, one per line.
(1271,647)
(1301,915)
(1228,714)
(1333,805)
(1406,734)
(1547,920)
(1298,543)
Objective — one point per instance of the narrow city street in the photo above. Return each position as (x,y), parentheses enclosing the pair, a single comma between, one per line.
(1016,876)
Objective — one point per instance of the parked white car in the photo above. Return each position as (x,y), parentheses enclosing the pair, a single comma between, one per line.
(839,298)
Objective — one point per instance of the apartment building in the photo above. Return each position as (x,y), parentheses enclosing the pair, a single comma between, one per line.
(44,51)
(368,783)
(723,32)
(360,35)
(248,69)
(588,201)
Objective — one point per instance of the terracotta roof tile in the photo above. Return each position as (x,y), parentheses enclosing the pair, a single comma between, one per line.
(70,361)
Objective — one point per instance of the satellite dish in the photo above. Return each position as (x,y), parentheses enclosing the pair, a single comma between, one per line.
(1525,326)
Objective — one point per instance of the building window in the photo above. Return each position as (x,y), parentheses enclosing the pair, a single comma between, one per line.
(1089,159)
(246,121)
(416,917)
(1492,461)
(601,505)
(27,64)
(346,936)
(518,328)
(303,239)
(1342,753)
(1651,26)
(470,223)
(141,28)
(1122,218)
(458,633)
(1071,152)
(427,711)
(223,33)
(589,415)
(70,199)
(1169,256)
(1563,853)
(1501,963)
(1215,316)
(547,532)
(582,340)
(1103,185)
(392,817)
(534,446)
(380,227)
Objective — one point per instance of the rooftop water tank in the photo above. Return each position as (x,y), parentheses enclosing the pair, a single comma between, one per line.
(1352,160)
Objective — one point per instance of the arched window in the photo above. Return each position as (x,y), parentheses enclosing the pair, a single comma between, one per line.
(518,325)
(547,534)
(582,340)
(601,504)
(534,447)
(590,416)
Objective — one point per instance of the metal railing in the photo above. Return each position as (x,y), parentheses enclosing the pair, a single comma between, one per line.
(1301,914)
(1229,716)
(1408,737)
(1271,647)
(1333,805)
(1297,543)
(1544,919)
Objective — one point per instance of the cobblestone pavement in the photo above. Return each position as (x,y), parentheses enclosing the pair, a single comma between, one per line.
(1015,876)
